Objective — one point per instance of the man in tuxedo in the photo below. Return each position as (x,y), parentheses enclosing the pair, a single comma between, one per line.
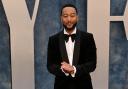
(71,53)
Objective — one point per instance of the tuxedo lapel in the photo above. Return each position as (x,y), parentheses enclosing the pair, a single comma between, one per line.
(63,47)
(76,48)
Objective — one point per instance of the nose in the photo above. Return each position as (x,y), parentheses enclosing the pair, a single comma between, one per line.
(69,18)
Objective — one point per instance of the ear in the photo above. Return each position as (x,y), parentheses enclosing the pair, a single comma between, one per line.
(61,19)
(77,18)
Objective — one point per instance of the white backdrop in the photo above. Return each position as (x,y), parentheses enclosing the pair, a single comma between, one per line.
(21,28)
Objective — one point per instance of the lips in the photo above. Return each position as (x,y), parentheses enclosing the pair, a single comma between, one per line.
(69,25)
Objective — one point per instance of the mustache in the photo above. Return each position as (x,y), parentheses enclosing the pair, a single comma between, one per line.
(74,25)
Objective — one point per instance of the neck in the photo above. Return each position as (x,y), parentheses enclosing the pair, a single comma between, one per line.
(69,31)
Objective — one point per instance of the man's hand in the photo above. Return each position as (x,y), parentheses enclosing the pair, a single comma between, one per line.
(67,68)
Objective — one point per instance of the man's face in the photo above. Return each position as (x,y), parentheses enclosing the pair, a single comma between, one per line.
(69,18)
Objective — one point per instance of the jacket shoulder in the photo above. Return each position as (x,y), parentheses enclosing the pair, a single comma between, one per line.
(85,34)
(55,36)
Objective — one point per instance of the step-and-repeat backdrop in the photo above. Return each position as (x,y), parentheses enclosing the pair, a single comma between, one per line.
(25,26)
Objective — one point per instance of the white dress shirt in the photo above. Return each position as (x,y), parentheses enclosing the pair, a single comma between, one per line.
(70,51)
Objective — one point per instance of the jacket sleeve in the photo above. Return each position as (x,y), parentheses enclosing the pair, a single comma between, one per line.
(53,65)
(89,57)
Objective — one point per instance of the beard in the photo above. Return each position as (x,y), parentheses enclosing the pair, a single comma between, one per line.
(69,29)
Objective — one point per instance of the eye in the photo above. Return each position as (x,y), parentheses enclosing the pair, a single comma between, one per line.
(73,15)
(65,16)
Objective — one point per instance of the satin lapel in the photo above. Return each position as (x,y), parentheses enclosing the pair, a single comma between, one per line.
(76,49)
(63,48)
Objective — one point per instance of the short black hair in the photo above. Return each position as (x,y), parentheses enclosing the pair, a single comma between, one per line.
(68,5)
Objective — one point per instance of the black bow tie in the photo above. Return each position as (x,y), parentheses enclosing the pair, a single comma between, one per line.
(73,36)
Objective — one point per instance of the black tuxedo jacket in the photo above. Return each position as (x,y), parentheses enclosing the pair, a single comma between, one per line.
(84,59)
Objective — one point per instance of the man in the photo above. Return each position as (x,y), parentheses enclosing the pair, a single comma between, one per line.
(71,53)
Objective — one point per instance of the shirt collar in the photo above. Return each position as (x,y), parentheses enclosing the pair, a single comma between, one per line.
(74,31)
